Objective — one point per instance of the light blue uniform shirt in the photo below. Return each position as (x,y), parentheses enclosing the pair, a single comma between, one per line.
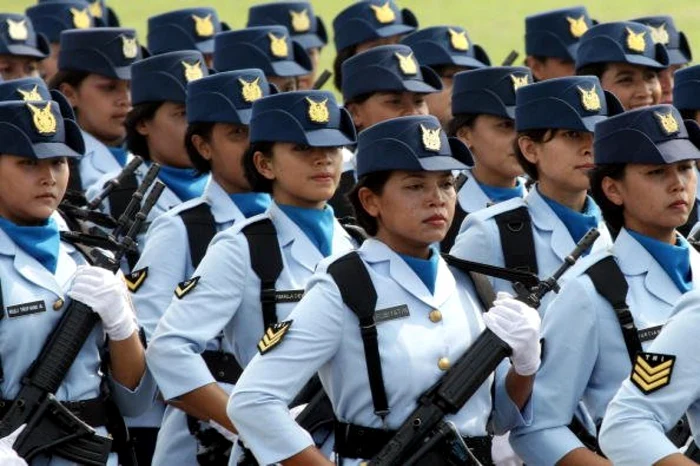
(97,162)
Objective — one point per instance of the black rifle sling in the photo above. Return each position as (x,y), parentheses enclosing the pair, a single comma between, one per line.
(351,275)
(120,196)
(517,242)
(459,216)
(201,228)
(266,261)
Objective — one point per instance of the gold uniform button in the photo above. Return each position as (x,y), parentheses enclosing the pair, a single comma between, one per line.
(435,316)
(58,304)
(444,364)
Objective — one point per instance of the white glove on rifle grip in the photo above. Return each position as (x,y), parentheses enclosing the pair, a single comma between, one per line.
(8,456)
(108,297)
(517,324)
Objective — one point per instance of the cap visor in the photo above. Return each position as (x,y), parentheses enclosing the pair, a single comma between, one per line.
(287,68)
(590,122)
(676,150)
(643,61)
(676,57)
(394,30)
(440,163)
(26,51)
(461,60)
(327,138)
(572,51)
(122,72)
(419,87)
(510,111)
(47,150)
(309,41)
(206,46)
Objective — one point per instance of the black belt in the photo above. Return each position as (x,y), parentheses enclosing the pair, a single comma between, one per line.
(223,366)
(93,412)
(354,441)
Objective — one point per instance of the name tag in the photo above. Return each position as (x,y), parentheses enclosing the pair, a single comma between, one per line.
(391,313)
(26,308)
(649,334)
(289,296)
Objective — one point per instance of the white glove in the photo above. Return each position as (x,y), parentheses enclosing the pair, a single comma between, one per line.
(228,435)
(502,453)
(8,456)
(107,295)
(517,324)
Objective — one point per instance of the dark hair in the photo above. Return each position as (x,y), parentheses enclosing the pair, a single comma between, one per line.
(688,113)
(374,182)
(136,143)
(71,77)
(612,213)
(459,121)
(539,136)
(202,129)
(340,57)
(593,69)
(258,183)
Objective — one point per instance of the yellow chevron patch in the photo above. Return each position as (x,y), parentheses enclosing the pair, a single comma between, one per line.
(273,336)
(135,279)
(652,371)
(183,288)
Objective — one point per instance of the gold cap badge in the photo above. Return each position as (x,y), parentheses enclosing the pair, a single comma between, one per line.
(518,81)
(96,9)
(193,71)
(635,41)
(17,30)
(384,13)
(407,64)
(458,40)
(203,27)
(43,119)
(81,18)
(590,99)
(577,26)
(431,138)
(130,47)
(278,46)
(300,20)
(250,90)
(318,111)
(668,122)
(30,95)
(660,35)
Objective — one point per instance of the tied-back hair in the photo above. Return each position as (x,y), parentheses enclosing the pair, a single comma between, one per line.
(202,129)
(612,213)
(539,136)
(136,143)
(375,182)
(258,183)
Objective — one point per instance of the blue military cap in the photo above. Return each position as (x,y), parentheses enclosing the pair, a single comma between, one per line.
(104,15)
(576,102)
(412,143)
(51,19)
(106,51)
(623,42)
(650,135)
(556,33)
(186,29)
(304,117)
(165,77)
(387,68)
(268,48)
(446,45)
(686,89)
(368,20)
(18,37)
(663,31)
(34,89)
(38,130)
(298,17)
(226,97)
(489,90)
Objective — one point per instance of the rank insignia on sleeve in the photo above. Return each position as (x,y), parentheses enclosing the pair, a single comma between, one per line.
(652,371)
(273,336)
(135,279)
(183,288)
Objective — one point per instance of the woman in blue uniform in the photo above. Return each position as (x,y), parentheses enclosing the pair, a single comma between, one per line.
(615,302)
(294,155)
(40,274)
(554,120)
(405,200)
(21,47)
(177,240)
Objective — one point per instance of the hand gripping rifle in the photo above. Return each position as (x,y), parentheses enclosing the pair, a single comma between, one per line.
(51,427)
(424,427)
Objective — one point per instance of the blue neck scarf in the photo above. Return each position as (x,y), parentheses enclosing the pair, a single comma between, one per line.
(317,224)
(674,259)
(41,242)
(186,183)
(498,194)
(426,269)
(251,203)
(119,154)
(578,223)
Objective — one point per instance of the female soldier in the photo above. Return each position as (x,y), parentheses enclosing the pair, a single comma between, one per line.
(94,73)
(624,56)
(39,272)
(295,155)
(554,120)
(405,199)
(175,243)
(21,48)
(483,104)
(615,302)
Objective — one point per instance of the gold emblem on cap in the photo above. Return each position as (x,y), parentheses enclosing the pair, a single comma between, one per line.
(30,95)
(96,9)
(193,71)
(407,63)
(458,40)
(668,122)
(278,46)
(384,13)
(81,18)
(250,90)
(130,47)
(577,26)
(519,81)
(300,20)
(43,119)
(204,27)
(590,99)
(318,111)
(635,40)
(17,30)
(431,138)
(659,34)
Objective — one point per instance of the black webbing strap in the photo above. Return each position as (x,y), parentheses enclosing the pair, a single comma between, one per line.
(610,283)
(75,182)
(517,242)
(358,293)
(201,228)
(692,220)
(266,261)
(340,202)
(459,216)
(120,196)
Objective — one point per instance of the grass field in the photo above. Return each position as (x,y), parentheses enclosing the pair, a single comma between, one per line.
(497,25)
